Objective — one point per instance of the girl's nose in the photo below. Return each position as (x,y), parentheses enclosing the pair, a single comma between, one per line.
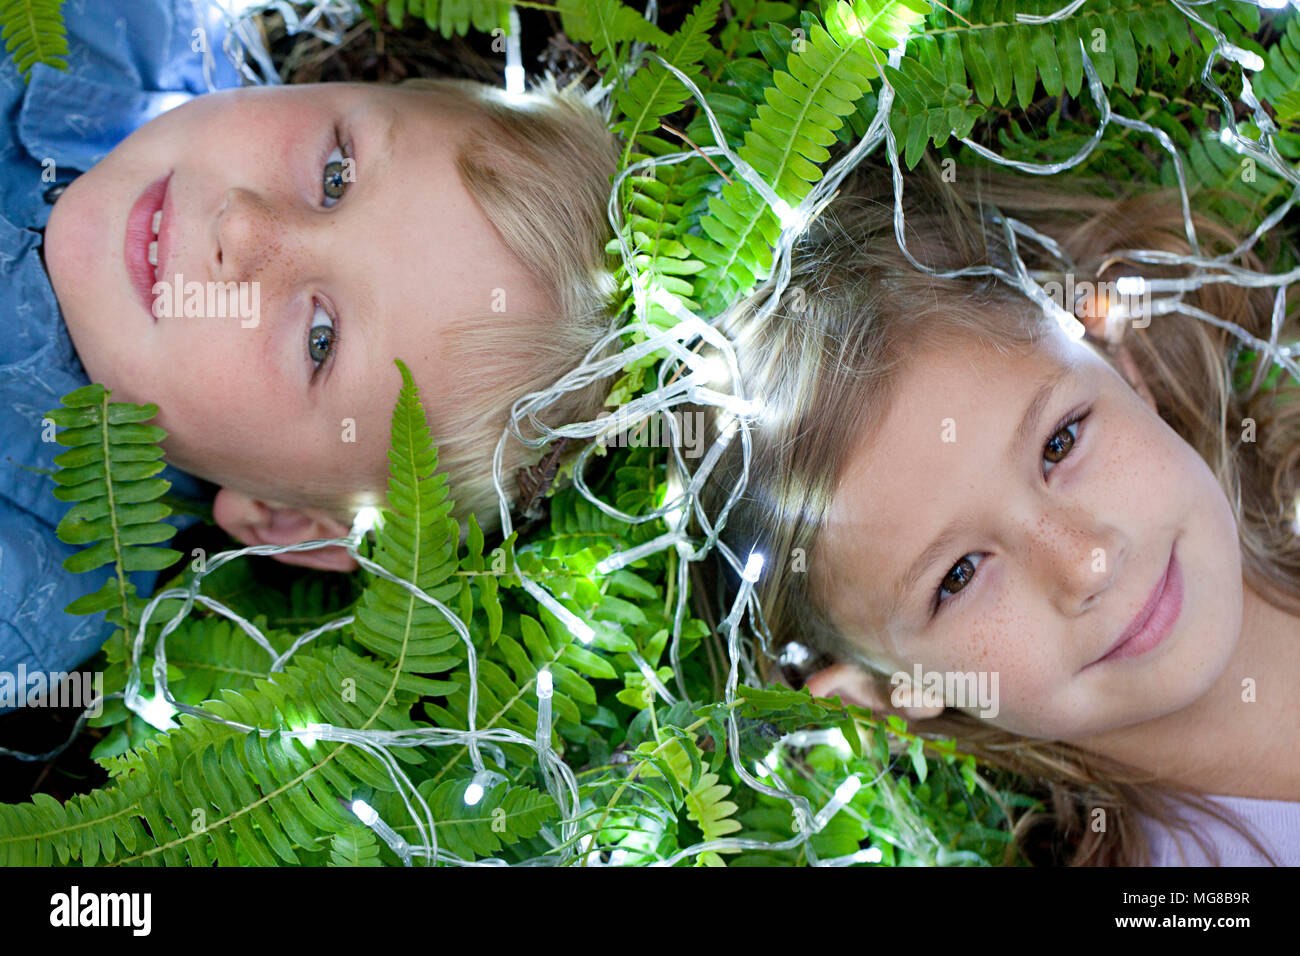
(1082,558)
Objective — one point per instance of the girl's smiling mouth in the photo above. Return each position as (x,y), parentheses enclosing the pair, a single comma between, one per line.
(1156,619)
(145,244)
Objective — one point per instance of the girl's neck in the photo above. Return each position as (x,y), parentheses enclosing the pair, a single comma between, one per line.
(1242,736)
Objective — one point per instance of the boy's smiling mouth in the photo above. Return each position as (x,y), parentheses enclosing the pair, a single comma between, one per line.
(147,240)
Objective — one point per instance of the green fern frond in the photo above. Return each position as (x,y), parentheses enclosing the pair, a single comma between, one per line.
(806,103)
(507,675)
(108,471)
(34,32)
(653,92)
(1003,60)
(609,26)
(1279,84)
(447,17)
(417,544)
(652,222)
(706,800)
(504,815)
(354,846)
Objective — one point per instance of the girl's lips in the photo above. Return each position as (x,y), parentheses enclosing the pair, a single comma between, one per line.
(1157,617)
(139,233)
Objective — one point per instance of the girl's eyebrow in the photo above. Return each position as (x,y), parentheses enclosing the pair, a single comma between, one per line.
(1025,431)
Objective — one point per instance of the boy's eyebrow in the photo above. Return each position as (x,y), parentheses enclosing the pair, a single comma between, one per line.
(1024,432)
(386,128)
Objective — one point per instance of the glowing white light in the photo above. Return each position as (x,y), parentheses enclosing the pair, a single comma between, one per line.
(514,57)
(740,406)
(676,516)
(366,519)
(772,758)
(617,857)
(1130,285)
(794,654)
(473,794)
(240,7)
(157,713)
(790,218)
(869,855)
(835,737)
(727,425)
(715,370)
(1250,60)
(1075,329)
(1271,4)
(845,791)
(165,102)
(759,769)
(364,812)
(576,625)
(310,734)
(544,686)
(1225,136)
(753,567)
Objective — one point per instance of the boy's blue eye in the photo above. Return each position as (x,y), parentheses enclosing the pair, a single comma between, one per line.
(321,338)
(335,176)
(1061,443)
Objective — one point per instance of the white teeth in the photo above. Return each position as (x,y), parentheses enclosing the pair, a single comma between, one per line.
(157,221)
(153,253)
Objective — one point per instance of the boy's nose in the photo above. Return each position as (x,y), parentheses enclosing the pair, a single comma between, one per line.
(251,238)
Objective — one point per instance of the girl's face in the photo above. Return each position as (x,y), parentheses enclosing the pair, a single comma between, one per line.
(1050,541)
(337,211)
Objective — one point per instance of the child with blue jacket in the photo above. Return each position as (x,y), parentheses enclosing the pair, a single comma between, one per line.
(252,260)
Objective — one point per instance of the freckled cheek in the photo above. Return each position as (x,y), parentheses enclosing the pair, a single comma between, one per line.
(1011,644)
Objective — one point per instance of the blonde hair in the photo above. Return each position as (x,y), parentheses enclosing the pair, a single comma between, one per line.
(539,165)
(826,362)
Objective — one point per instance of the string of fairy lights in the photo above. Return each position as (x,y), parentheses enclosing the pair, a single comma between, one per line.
(688,376)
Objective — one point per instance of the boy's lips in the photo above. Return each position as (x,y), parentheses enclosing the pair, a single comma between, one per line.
(139,233)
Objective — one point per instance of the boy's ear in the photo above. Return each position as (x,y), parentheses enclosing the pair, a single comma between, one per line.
(252,521)
(853,685)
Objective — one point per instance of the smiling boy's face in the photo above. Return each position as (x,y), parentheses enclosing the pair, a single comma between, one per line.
(355,264)
(1059,541)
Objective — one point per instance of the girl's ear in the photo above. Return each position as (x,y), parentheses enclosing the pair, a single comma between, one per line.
(252,522)
(853,685)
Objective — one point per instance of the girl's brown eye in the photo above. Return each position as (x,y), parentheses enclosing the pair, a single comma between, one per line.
(958,579)
(1060,445)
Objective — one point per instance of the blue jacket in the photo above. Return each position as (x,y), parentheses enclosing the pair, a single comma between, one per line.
(128,61)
